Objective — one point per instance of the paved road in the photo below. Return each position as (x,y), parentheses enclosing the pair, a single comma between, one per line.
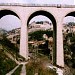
(23,71)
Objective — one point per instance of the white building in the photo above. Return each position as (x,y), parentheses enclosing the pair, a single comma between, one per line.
(42,25)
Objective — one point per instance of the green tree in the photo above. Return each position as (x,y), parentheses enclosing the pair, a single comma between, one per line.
(38,35)
(6,43)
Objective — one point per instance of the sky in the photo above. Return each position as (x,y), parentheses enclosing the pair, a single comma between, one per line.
(8,24)
(39,18)
(39,1)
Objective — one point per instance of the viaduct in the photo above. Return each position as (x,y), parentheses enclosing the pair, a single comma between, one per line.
(25,12)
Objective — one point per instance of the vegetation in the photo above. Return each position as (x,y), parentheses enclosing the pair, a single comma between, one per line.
(38,35)
(69,49)
(44,48)
(11,48)
(6,43)
(39,67)
(6,64)
(71,24)
(18,70)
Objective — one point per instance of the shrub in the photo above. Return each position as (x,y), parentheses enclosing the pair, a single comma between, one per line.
(37,67)
(6,64)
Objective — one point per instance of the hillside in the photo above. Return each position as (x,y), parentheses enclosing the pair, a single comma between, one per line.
(9,56)
(6,64)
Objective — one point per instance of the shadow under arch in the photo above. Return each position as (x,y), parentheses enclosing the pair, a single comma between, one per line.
(51,17)
(7,12)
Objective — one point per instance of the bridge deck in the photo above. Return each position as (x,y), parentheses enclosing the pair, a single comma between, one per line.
(38,5)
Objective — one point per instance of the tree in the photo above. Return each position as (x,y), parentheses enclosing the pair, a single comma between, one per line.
(5,42)
(38,35)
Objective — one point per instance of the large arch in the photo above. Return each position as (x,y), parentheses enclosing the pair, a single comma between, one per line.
(51,17)
(71,45)
(5,12)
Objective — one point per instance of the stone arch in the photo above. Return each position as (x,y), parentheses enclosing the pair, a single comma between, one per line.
(7,12)
(70,14)
(4,12)
(51,17)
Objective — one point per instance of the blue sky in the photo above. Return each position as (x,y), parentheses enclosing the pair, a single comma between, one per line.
(8,24)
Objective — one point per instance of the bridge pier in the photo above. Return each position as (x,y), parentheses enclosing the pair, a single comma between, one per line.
(24,39)
(59,42)
(59,50)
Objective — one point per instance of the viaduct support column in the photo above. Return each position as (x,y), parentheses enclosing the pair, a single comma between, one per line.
(59,51)
(24,39)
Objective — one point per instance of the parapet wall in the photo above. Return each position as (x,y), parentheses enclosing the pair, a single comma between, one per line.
(38,5)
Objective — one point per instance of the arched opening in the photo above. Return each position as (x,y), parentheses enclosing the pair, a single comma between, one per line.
(69,40)
(10,26)
(7,12)
(50,17)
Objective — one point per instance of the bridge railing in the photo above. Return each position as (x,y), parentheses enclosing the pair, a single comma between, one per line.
(38,5)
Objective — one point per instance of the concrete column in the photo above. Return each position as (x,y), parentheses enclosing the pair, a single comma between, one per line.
(24,39)
(60,52)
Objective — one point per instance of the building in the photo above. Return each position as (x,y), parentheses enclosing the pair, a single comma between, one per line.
(14,35)
(42,25)
(68,28)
